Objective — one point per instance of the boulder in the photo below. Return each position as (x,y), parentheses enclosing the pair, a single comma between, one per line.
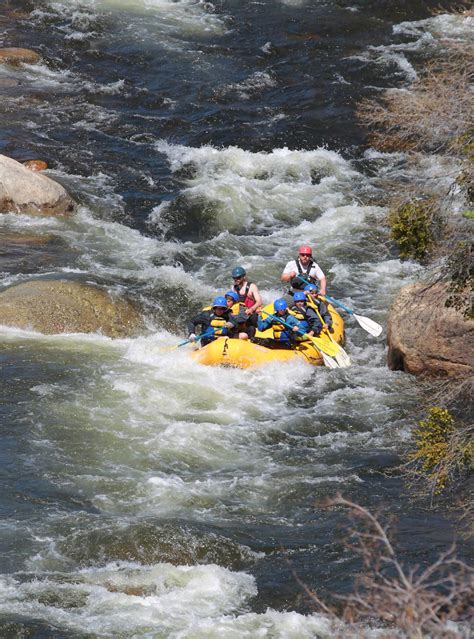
(35,165)
(15,55)
(26,191)
(24,239)
(62,306)
(425,336)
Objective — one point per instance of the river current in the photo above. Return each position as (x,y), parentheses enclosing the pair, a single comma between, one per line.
(144,495)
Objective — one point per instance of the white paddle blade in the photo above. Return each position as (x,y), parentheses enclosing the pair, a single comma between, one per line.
(329,361)
(369,325)
(343,359)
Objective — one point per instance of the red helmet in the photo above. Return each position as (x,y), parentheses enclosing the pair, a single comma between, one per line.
(305,250)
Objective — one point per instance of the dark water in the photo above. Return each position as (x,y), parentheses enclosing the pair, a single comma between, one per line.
(143,495)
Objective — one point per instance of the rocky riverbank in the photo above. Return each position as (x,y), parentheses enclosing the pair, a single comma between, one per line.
(54,306)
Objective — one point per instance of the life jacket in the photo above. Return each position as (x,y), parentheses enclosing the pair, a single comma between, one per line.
(245,298)
(300,315)
(298,284)
(281,333)
(217,322)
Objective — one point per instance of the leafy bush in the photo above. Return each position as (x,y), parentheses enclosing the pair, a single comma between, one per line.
(443,453)
(413,227)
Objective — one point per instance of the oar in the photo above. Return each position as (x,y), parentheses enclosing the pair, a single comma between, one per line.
(342,358)
(208,333)
(367,324)
(326,350)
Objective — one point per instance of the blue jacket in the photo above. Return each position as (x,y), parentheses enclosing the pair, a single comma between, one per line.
(283,335)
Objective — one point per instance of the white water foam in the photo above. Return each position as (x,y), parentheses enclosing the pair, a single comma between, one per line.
(430,36)
(125,599)
(254,84)
(146,17)
(257,190)
(453,27)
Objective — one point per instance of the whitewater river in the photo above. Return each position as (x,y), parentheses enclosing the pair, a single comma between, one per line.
(143,495)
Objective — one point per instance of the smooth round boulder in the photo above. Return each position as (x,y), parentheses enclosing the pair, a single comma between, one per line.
(29,192)
(425,336)
(16,55)
(63,306)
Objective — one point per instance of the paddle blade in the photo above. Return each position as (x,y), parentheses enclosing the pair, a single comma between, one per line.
(343,359)
(368,325)
(329,361)
(325,346)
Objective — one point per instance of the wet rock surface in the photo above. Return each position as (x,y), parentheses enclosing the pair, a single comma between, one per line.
(425,336)
(16,55)
(35,165)
(28,253)
(30,192)
(61,306)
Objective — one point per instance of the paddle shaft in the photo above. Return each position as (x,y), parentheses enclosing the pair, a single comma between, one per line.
(282,321)
(208,333)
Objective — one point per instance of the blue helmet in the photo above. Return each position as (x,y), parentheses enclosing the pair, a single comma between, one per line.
(299,296)
(311,287)
(219,301)
(233,294)
(238,271)
(280,305)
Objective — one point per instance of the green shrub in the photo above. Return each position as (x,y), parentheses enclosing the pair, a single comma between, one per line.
(413,226)
(443,453)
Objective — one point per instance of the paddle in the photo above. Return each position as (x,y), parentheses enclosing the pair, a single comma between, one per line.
(326,350)
(366,323)
(208,333)
(342,358)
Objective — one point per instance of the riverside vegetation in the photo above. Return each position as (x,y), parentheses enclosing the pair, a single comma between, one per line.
(432,118)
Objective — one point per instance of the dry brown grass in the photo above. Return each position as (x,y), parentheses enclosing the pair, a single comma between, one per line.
(433,115)
(414,601)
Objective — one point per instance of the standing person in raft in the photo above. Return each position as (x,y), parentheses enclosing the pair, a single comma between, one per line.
(249,296)
(307,268)
(218,317)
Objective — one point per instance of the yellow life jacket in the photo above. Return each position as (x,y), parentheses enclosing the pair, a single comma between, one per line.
(217,323)
(296,312)
(301,317)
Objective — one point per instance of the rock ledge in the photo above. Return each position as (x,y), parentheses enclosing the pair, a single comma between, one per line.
(425,336)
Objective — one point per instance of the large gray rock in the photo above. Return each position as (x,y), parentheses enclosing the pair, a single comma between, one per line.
(61,306)
(24,191)
(425,336)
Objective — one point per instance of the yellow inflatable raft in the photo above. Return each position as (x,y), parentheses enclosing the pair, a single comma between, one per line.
(239,353)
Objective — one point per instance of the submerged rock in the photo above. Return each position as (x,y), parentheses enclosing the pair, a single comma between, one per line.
(35,165)
(15,55)
(26,191)
(62,306)
(425,336)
